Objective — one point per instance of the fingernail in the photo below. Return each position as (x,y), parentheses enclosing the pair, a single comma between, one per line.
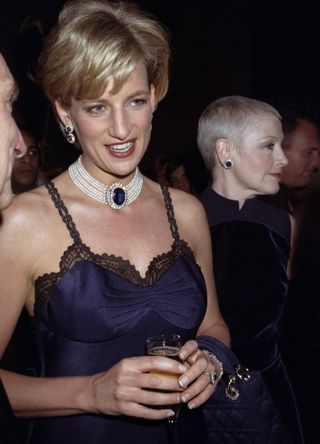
(183,382)
(191,406)
(185,398)
(182,368)
(170,414)
(182,355)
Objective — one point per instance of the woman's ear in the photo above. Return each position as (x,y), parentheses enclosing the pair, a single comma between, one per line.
(62,113)
(223,150)
(153,100)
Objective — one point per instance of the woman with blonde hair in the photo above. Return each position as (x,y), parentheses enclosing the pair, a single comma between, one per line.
(107,257)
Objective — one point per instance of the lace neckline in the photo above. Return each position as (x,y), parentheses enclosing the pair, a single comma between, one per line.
(74,234)
(79,251)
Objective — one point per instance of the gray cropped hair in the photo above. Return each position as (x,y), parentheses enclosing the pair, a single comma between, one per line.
(228,118)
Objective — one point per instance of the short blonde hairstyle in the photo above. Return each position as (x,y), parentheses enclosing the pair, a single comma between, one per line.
(228,118)
(96,39)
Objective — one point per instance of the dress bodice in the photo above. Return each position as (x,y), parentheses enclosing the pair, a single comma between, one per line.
(251,248)
(98,310)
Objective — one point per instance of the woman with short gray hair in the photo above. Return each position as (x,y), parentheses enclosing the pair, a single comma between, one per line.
(240,141)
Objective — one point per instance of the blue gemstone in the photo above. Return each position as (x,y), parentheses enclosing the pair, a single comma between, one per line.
(118,196)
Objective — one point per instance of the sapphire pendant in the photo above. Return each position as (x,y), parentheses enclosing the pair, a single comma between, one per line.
(117,196)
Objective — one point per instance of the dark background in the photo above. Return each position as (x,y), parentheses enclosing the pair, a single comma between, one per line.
(266,49)
(263,49)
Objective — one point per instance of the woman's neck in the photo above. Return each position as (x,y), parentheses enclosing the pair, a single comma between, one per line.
(228,190)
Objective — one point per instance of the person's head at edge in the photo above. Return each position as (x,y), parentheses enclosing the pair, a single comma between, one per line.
(301,145)
(11,146)
(240,141)
(102,52)
(11,141)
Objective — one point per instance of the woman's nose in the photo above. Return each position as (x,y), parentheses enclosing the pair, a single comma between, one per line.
(120,125)
(282,158)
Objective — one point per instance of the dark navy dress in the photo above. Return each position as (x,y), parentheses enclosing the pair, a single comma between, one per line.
(98,310)
(251,248)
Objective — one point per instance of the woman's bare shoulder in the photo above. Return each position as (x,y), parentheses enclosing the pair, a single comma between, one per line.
(187,206)
(29,217)
(32,207)
(27,207)
(191,219)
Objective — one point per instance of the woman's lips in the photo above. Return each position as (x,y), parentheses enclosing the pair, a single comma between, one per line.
(121,149)
(276,175)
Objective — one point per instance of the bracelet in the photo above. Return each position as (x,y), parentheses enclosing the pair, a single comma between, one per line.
(213,375)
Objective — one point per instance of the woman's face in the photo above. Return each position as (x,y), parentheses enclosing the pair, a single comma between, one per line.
(114,130)
(258,162)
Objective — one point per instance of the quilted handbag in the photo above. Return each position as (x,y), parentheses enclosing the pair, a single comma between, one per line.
(241,411)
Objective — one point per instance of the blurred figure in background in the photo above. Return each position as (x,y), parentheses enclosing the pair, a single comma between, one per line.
(301,145)
(177,175)
(157,170)
(187,173)
(300,194)
(26,169)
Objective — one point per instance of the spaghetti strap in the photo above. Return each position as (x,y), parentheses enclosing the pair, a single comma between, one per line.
(65,216)
(170,213)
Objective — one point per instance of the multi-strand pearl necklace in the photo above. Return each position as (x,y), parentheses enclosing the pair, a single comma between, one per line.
(116,195)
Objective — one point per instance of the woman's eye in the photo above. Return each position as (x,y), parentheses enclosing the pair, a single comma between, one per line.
(138,102)
(96,109)
(269,146)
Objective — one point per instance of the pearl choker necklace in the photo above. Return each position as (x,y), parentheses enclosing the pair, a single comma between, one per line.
(116,195)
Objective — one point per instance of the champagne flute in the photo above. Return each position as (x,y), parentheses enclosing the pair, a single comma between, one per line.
(167,345)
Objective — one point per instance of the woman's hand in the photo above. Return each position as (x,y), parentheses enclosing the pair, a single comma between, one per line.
(134,387)
(196,381)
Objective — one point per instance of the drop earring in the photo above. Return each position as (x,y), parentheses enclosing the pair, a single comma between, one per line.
(70,133)
(228,164)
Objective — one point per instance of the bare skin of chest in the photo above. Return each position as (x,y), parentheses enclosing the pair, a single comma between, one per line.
(121,233)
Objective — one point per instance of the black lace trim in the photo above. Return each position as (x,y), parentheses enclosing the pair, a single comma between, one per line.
(64,213)
(170,213)
(78,251)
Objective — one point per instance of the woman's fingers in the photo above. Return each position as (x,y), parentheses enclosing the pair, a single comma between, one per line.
(198,392)
(143,411)
(145,381)
(197,384)
(194,371)
(154,363)
(188,349)
(148,386)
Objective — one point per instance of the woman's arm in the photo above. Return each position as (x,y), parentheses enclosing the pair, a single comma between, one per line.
(118,391)
(213,324)
(193,227)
